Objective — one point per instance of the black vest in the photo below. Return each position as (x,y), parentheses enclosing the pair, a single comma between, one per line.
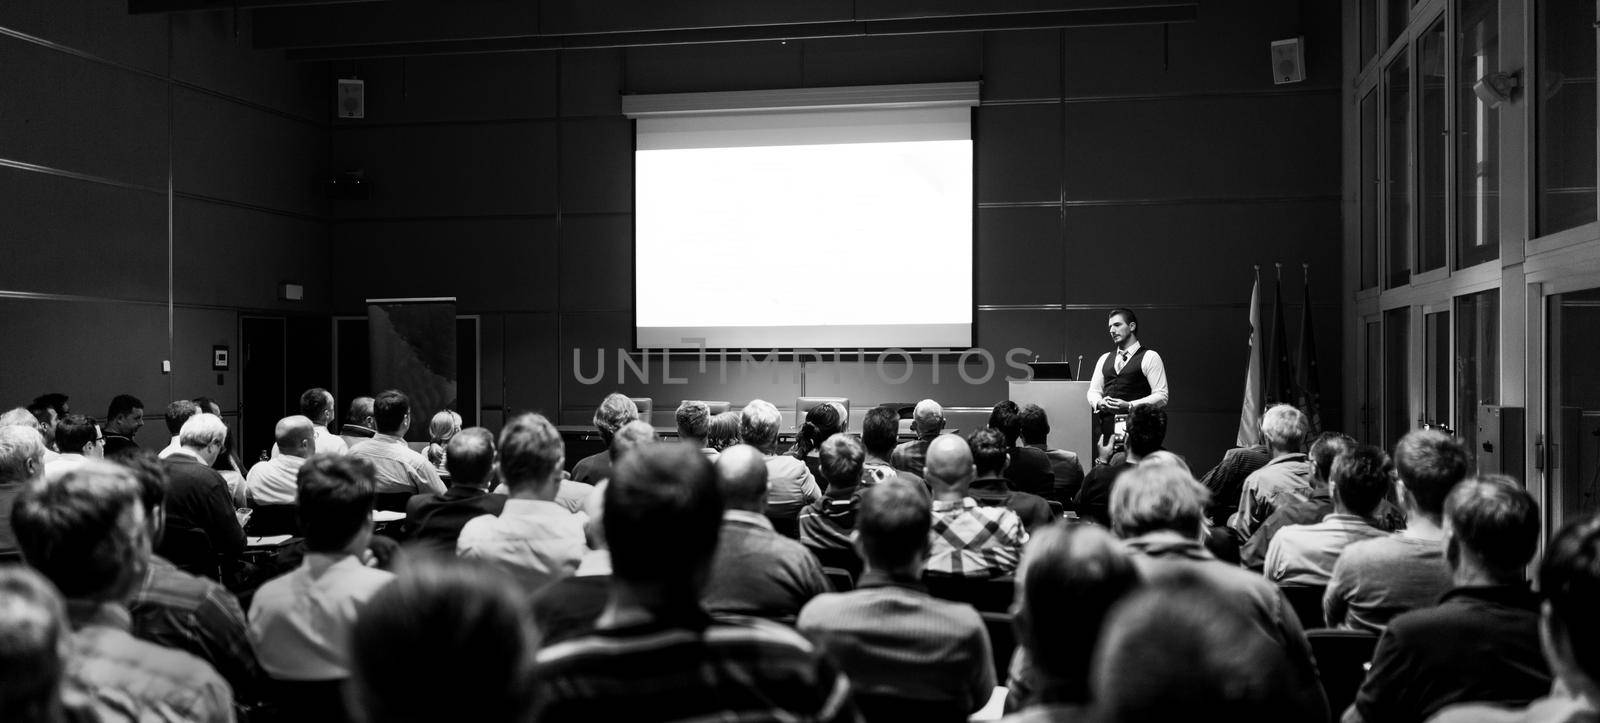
(1128,385)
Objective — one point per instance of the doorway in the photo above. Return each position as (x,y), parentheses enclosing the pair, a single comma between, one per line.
(1572,404)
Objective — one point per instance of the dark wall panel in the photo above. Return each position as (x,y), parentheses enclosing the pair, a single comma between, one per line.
(231,256)
(597,165)
(488,169)
(231,151)
(703,68)
(66,236)
(893,59)
(1019,256)
(531,368)
(194,332)
(597,266)
(437,88)
(1019,153)
(1022,65)
(213,50)
(486,263)
(591,82)
(101,27)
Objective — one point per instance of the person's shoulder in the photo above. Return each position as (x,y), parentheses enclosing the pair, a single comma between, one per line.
(771,637)
(477,527)
(1371,551)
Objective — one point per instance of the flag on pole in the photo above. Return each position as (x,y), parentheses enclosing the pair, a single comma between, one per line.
(1250,412)
(1280,370)
(1308,389)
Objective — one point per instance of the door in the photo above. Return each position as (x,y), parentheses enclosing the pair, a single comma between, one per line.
(1570,446)
(263,390)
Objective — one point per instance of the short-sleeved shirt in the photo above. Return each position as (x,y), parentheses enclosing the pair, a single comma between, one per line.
(970,540)
(398,467)
(1377,579)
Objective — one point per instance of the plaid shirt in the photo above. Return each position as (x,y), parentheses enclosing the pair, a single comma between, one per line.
(970,540)
(828,523)
(194,614)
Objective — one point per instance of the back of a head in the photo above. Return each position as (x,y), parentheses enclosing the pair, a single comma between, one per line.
(1430,463)
(443,426)
(1284,428)
(437,610)
(1569,580)
(21,454)
(1179,647)
(822,421)
(927,416)
(84,530)
(54,400)
(722,431)
(1360,476)
(470,457)
(146,469)
(531,451)
(880,431)
(892,524)
(841,459)
(121,405)
(316,403)
(1006,417)
(73,432)
(33,630)
(292,431)
(742,478)
(179,412)
(630,437)
(758,424)
(1324,449)
(662,492)
(1161,497)
(335,496)
(988,447)
(692,416)
(389,411)
(1068,582)
(208,405)
(614,411)
(1496,520)
(948,464)
(19,417)
(1147,430)
(203,430)
(1033,424)
(360,409)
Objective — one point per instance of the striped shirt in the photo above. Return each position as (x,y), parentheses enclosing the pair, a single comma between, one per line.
(970,540)
(735,669)
(827,523)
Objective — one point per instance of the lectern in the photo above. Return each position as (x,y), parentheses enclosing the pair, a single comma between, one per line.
(1067,403)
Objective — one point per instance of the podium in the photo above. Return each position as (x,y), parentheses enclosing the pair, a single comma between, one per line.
(1071,422)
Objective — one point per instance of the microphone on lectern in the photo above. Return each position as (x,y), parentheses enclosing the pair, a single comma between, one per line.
(1077,371)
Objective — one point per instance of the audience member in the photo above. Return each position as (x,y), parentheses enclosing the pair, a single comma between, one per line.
(1159,511)
(756,571)
(396,466)
(1569,633)
(969,540)
(444,425)
(85,531)
(177,413)
(1226,480)
(722,431)
(828,523)
(359,423)
(822,421)
(1298,508)
(46,418)
(569,607)
(992,488)
(879,434)
(124,417)
(1068,582)
(178,610)
(1180,648)
(20,417)
(21,462)
(614,411)
(693,418)
(316,404)
(1284,428)
(927,422)
(435,521)
(790,485)
(300,622)
(533,539)
(1375,580)
(654,653)
(77,438)
(276,480)
(908,654)
(1147,430)
(33,633)
(198,500)
(463,628)
(1027,468)
(227,463)
(1305,554)
(1033,428)
(1481,642)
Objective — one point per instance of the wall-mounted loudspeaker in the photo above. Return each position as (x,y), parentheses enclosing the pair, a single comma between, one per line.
(351,100)
(1289,60)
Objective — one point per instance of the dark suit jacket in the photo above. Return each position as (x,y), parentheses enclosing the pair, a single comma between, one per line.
(1028,470)
(197,498)
(436,520)
(1067,472)
(593,468)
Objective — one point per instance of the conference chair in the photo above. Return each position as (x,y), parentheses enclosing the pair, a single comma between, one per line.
(1342,657)
(840,580)
(986,594)
(646,406)
(189,549)
(803,405)
(1002,640)
(718,407)
(1306,600)
(839,558)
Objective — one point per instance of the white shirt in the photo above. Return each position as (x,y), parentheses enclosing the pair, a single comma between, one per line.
(275,481)
(537,541)
(300,622)
(1154,370)
(327,443)
(399,467)
(171,448)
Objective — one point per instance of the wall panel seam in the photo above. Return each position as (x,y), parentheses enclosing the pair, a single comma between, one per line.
(75,175)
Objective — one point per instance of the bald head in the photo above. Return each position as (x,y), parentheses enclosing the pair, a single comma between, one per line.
(928,417)
(295,436)
(742,475)
(949,465)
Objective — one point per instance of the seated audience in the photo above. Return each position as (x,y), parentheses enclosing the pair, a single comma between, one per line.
(21,462)
(1069,580)
(77,438)
(969,540)
(1033,429)
(790,485)
(693,418)
(569,607)
(435,521)
(1181,649)
(1569,633)
(198,499)
(533,539)
(756,571)
(1147,430)
(1375,580)
(444,425)
(1159,511)
(879,434)
(1305,554)
(276,480)
(187,612)
(655,653)
(992,488)
(1226,480)
(614,411)
(396,466)
(1284,428)
(33,632)
(85,531)
(300,622)
(444,641)
(316,404)
(908,654)
(359,424)
(1027,469)
(927,422)
(1299,508)
(822,421)
(722,431)
(124,417)
(826,525)
(1481,642)
(177,413)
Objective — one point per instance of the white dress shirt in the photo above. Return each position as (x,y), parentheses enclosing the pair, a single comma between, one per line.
(537,541)
(275,481)
(300,623)
(1154,370)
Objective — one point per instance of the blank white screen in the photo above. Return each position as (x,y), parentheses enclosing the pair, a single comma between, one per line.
(750,242)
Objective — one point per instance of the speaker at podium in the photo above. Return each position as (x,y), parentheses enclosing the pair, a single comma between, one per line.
(1065,400)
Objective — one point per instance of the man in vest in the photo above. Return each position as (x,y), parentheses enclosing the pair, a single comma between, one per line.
(1131,376)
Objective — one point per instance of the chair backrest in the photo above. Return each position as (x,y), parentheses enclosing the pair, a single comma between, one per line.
(718,407)
(986,594)
(1307,603)
(1342,657)
(1002,640)
(840,558)
(802,405)
(392,501)
(841,580)
(646,406)
(189,549)
(1057,510)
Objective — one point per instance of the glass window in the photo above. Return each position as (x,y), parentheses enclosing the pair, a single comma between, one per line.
(1565,185)
(1572,440)
(1370,188)
(1372,391)
(1477,135)
(1433,144)
(1436,369)
(1477,365)
(1396,403)
(1399,14)
(1396,163)
(1369,30)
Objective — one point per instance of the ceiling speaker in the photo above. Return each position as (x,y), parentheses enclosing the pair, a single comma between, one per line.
(351,99)
(1289,60)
